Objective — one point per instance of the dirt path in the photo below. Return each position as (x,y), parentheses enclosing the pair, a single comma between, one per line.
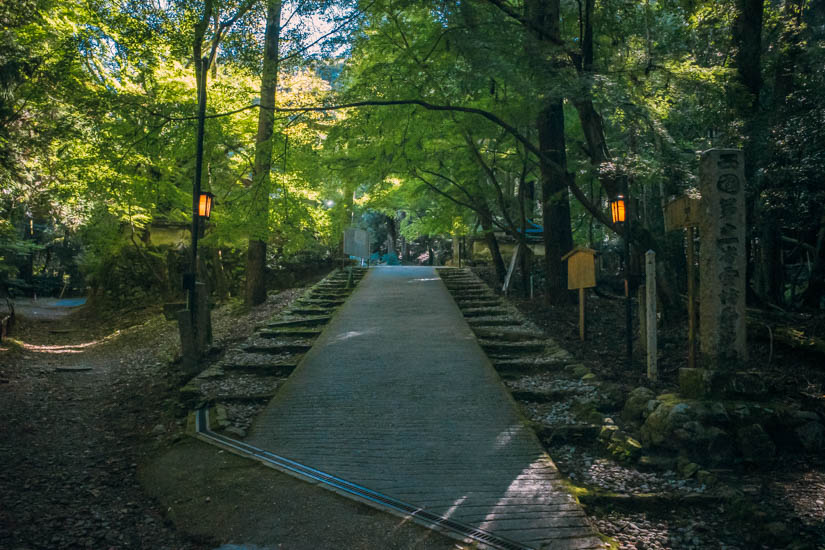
(74,411)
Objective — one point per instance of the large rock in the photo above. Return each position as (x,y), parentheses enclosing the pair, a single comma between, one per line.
(636,405)
(671,415)
(811,436)
(755,444)
(721,447)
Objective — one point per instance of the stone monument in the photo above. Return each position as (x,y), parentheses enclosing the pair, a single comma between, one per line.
(722,262)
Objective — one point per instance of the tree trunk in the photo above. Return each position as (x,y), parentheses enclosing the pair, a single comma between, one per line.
(259,219)
(555,203)
(492,244)
(392,235)
(747,40)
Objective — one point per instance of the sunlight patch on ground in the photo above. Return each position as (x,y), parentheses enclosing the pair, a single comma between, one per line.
(71,348)
(451,510)
(504,438)
(349,335)
(525,486)
(423,280)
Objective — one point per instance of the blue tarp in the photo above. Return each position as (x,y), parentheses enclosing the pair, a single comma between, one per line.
(70,302)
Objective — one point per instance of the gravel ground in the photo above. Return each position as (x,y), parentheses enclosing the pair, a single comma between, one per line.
(778,505)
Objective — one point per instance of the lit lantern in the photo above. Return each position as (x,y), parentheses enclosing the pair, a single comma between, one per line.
(618,207)
(205,204)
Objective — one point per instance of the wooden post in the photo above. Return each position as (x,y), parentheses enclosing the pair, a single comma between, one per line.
(506,287)
(581,313)
(650,318)
(691,292)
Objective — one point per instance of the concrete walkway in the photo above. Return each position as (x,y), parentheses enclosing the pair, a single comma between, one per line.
(397,396)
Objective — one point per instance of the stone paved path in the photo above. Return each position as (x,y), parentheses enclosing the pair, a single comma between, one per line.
(397,396)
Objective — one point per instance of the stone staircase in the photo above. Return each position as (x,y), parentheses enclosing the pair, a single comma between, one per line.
(249,374)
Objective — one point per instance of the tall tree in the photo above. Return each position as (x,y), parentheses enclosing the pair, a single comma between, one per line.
(259,218)
(544,20)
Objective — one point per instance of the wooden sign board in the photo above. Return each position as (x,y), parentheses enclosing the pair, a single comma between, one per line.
(581,268)
(682,212)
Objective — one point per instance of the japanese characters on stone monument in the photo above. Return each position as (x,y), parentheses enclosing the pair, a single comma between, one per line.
(722,271)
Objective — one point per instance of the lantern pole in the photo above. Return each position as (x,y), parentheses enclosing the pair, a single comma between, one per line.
(196,192)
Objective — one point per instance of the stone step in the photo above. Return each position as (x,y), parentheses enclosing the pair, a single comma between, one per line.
(243,398)
(323,303)
(541,397)
(281,370)
(467,288)
(492,322)
(512,348)
(329,295)
(485,312)
(277,348)
(481,295)
(514,335)
(475,304)
(287,332)
(525,366)
(301,322)
(310,311)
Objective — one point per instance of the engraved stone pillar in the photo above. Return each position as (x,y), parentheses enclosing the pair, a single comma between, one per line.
(722,272)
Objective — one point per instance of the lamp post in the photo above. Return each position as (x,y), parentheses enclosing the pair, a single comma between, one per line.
(618,209)
(195,330)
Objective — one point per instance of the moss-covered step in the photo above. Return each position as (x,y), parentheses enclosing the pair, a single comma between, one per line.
(484,312)
(498,347)
(477,303)
(525,366)
(317,302)
(230,386)
(298,332)
(300,321)
(498,321)
(514,334)
(260,344)
(326,295)
(311,311)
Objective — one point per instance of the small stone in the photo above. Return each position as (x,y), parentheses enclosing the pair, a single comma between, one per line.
(637,402)
(706,478)
(578,370)
(688,470)
(160,429)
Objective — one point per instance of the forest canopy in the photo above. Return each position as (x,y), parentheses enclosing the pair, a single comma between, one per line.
(424,122)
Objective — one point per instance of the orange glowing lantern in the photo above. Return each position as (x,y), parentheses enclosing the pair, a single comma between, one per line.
(618,207)
(205,204)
